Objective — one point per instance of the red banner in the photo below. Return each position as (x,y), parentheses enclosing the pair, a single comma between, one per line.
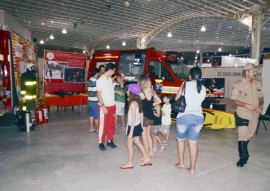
(64,71)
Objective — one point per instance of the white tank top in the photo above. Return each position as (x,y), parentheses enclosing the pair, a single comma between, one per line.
(137,119)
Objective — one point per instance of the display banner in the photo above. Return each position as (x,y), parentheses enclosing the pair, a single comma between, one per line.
(64,71)
(23,52)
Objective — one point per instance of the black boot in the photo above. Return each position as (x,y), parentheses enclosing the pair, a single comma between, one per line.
(242,145)
(247,150)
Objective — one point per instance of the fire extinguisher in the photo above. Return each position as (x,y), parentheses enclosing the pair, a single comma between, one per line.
(45,114)
(39,116)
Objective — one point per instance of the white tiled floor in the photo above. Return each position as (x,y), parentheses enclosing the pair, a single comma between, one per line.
(63,156)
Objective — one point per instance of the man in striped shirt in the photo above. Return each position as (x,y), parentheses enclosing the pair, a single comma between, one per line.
(93,102)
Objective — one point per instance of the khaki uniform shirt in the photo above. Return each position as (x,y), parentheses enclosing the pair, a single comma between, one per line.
(248,93)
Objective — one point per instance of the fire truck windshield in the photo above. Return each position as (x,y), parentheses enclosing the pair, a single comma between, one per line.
(179,68)
(132,63)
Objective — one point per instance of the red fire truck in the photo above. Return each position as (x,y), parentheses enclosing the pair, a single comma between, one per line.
(166,68)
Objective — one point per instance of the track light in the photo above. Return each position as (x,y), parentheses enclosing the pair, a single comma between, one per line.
(198,51)
(126,3)
(108,47)
(51,37)
(169,34)
(124,43)
(203,28)
(41,41)
(219,49)
(64,31)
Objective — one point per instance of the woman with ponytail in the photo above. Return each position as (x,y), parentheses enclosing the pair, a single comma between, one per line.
(189,123)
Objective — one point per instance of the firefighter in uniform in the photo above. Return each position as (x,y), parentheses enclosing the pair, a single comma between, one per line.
(248,96)
(29,88)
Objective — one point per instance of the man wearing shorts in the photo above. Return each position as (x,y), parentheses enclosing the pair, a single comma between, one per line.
(93,102)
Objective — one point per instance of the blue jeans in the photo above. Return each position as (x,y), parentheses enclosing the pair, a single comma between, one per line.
(188,127)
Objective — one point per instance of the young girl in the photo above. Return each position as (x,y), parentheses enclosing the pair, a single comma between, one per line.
(134,128)
(166,118)
(149,100)
(156,130)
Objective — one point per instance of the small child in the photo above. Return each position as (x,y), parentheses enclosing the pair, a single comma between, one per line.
(156,130)
(120,100)
(166,118)
(134,127)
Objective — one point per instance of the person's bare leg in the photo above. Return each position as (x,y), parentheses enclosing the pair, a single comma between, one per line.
(145,141)
(154,144)
(167,135)
(130,153)
(193,154)
(181,152)
(141,147)
(116,117)
(150,141)
(96,121)
(91,124)
(123,120)
(162,147)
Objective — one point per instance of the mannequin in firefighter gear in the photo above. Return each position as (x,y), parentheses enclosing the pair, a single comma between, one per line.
(29,87)
(248,96)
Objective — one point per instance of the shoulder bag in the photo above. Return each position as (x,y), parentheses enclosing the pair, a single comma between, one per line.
(180,104)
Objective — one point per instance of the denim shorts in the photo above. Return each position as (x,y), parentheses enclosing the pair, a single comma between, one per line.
(188,127)
(93,109)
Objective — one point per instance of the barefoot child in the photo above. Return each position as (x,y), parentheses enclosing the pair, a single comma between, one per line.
(134,128)
(166,118)
(156,130)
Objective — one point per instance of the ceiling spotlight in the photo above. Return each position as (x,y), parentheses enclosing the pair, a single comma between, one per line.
(84,51)
(126,3)
(41,41)
(169,34)
(182,58)
(124,43)
(196,57)
(143,39)
(108,47)
(52,21)
(42,23)
(64,31)
(219,49)
(198,51)
(51,37)
(203,28)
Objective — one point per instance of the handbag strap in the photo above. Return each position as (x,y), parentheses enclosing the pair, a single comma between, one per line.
(184,89)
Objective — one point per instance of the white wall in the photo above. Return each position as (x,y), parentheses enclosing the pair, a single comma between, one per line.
(265,83)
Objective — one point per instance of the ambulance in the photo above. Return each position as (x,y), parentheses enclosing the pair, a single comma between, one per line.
(168,71)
